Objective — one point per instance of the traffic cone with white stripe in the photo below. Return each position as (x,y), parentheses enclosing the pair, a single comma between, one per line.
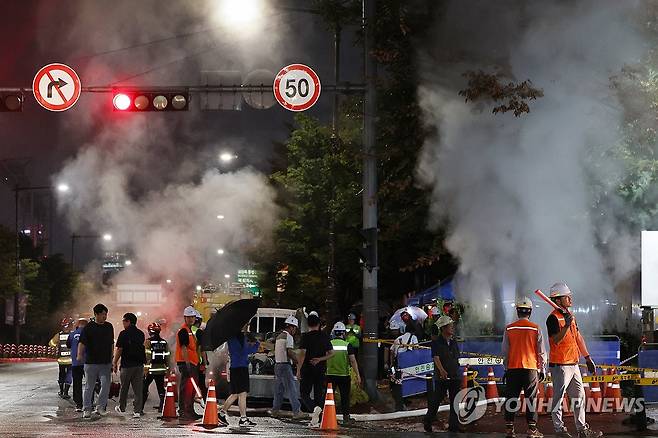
(169,408)
(616,393)
(594,406)
(329,421)
(491,389)
(210,418)
(174,386)
(465,377)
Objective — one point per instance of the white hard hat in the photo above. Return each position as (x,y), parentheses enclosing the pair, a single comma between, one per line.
(560,289)
(189,311)
(313,313)
(339,327)
(291,320)
(443,321)
(524,303)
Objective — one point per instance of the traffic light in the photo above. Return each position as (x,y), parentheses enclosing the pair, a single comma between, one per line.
(11,102)
(369,250)
(138,101)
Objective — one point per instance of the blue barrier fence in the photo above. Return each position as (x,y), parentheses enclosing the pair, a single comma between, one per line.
(648,358)
(603,349)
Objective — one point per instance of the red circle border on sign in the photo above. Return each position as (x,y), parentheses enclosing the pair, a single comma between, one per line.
(76,84)
(316,82)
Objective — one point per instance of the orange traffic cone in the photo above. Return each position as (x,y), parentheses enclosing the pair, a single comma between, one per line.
(548,394)
(522,401)
(593,405)
(174,387)
(492,388)
(169,408)
(465,377)
(541,396)
(210,418)
(616,394)
(329,421)
(607,392)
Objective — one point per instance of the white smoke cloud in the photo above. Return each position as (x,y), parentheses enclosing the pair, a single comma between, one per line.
(170,227)
(516,191)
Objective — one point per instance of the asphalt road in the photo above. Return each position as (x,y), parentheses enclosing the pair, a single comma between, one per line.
(30,407)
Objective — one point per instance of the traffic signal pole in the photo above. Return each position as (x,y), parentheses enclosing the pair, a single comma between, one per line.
(370,298)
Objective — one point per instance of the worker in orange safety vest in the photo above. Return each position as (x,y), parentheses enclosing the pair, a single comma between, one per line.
(567,345)
(525,361)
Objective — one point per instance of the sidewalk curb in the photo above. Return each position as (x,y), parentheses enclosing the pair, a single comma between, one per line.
(26,359)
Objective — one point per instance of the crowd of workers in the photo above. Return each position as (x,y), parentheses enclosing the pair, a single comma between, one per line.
(89,351)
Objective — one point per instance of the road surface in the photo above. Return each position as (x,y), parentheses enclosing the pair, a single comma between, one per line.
(30,407)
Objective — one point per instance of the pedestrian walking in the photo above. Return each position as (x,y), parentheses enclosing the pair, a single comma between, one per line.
(339,366)
(187,360)
(77,366)
(95,348)
(445,355)
(353,333)
(239,349)
(59,340)
(315,350)
(284,379)
(566,347)
(400,345)
(525,366)
(157,363)
(130,350)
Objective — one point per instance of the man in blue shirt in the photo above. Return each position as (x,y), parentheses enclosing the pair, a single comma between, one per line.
(239,349)
(77,366)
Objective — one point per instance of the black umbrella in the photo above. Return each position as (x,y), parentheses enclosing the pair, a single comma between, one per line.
(228,322)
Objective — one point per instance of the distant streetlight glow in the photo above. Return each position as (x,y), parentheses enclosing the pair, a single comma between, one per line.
(220,217)
(237,13)
(198,288)
(227,276)
(168,281)
(128,262)
(227,157)
(63,188)
(107,237)
(220,251)
(139,313)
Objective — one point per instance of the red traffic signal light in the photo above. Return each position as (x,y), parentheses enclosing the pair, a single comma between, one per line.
(137,101)
(11,102)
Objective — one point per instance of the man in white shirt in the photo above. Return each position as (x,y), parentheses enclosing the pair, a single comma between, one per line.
(400,345)
(284,378)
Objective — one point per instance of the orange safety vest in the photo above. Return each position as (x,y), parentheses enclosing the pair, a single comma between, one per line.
(192,354)
(568,351)
(522,336)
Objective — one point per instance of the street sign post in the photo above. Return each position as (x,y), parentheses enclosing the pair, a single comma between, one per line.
(56,87)
(297,87)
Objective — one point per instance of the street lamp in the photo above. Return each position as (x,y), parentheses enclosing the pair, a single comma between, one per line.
(220,251)
(227,157)
(128,262)
(220,217)
(240,13)
(168,281)
(198,288)
(63,187)
(106,237)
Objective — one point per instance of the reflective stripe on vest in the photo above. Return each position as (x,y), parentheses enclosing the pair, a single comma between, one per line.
(63,352)
(339,363)
(192,354)
(566,352)
(522,337)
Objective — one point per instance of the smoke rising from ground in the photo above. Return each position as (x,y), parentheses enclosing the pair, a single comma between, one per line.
(516,192)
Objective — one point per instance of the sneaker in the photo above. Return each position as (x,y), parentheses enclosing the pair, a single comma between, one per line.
(86,415)
(564,433)
(300,416)
(78,409)
(534,433)
(137,415)
(274,413)
(315,416)
(246,422)
(118,410)
(589,433)
(221,415)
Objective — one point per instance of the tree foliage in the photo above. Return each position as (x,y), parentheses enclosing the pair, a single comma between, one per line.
(487,86)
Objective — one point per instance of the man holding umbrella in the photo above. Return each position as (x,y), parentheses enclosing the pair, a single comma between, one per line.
(187,359)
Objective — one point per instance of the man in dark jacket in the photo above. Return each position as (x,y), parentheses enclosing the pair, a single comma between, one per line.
(130,349)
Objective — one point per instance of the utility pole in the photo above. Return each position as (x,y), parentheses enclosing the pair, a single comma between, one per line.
(370,298)
(17,325)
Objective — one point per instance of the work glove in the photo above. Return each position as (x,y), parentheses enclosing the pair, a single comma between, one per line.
(591,366)
(568,318)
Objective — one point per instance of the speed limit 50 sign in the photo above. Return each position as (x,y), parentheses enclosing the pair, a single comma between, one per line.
(297,87)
